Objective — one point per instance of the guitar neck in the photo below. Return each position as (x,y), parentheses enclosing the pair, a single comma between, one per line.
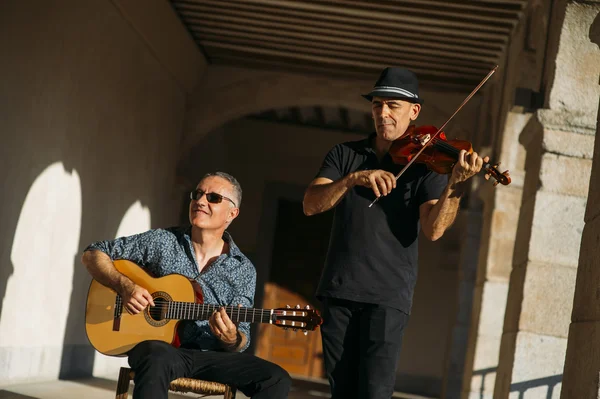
(199,311)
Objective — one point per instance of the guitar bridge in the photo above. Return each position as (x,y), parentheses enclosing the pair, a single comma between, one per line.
(117,313)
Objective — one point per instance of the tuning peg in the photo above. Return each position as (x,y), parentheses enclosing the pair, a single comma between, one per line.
(496,183)
(288,307)
(307,307)
(285,328)
(297,306)
(305,332)
(294,329)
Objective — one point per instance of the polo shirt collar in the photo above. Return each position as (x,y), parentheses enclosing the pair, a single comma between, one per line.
(365,145)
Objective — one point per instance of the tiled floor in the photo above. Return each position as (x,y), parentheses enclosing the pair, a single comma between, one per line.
(101,388)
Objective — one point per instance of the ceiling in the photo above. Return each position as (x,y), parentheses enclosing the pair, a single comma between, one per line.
(339,119)
(449,44)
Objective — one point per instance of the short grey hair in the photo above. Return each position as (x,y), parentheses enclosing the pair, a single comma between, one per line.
(237,189)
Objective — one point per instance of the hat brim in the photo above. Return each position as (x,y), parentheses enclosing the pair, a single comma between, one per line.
(387,94)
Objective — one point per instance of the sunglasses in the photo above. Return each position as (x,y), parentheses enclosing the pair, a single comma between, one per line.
(213,198)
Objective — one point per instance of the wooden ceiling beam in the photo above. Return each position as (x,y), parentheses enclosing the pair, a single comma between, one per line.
(460,84)
(360,41)
(504,3)
(448,44)
(456,6)
(453,44)
(363,51)
(441,71)
(399,57)
(350,13)
(371,13)
(479,39)
(442,27)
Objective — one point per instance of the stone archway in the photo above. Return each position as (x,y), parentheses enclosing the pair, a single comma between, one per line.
(227,93)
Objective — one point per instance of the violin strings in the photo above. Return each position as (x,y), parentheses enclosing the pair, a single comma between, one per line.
(439,143)
(445,146)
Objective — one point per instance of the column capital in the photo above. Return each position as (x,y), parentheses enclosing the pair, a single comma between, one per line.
(559,132)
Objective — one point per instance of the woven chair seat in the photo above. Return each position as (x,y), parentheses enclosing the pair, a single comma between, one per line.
(197,386)
(178,385)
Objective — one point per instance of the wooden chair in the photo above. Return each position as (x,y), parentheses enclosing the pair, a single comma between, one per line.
(178,385)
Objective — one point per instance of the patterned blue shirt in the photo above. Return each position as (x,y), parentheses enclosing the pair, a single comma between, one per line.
(229,280)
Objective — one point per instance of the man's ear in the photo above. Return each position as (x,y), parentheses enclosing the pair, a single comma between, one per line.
(233,213)
(414,111)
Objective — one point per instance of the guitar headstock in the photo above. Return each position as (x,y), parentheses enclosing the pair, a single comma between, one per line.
(297,318)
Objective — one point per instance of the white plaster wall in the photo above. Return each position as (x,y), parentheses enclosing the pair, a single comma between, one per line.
(90,122)
(34,315)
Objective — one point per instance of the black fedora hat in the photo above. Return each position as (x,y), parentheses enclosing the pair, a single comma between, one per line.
(397,83)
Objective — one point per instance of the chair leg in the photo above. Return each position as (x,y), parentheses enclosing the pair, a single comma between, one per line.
(123,383)
(229,392)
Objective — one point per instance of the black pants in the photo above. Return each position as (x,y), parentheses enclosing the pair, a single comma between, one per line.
(156,364)
(361,346)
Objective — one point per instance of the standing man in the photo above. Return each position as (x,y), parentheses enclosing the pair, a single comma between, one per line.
(371,266)
(205,252)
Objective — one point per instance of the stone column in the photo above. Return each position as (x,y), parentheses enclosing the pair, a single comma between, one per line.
(545,257)
(558,141)
(470,241)
(582,363)
(497,238)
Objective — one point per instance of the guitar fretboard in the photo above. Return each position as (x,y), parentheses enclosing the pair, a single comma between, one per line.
(199,311)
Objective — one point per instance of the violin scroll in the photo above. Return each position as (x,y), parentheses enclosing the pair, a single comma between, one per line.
(492,171)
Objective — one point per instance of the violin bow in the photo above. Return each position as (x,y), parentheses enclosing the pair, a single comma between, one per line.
(441,128)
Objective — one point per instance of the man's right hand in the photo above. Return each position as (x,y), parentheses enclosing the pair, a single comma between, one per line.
(135,298)
(380,181)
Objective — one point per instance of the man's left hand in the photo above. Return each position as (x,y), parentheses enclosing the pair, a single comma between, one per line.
(223,328)
(468,165)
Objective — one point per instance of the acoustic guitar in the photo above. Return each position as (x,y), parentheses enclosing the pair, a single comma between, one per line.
(113,331)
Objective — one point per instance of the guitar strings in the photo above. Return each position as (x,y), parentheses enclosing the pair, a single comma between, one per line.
(194,310)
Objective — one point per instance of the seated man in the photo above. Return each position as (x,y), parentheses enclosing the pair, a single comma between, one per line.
(205,252)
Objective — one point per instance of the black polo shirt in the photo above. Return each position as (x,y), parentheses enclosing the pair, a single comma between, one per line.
(373,252)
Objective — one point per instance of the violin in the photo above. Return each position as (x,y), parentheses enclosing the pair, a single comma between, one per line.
(439,155)
(441,151)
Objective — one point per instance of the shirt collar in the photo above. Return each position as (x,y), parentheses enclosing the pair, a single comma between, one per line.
(365,145)
(234,251)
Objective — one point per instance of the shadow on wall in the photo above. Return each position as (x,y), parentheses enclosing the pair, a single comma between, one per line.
(43,285)
(538,385)
(106,215)
(46,237)
(595,31)
(87,94)
(137,219)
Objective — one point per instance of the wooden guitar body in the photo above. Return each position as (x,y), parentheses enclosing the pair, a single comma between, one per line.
(115,336)
(113,331)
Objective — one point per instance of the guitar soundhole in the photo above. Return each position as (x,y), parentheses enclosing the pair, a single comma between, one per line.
(157,315)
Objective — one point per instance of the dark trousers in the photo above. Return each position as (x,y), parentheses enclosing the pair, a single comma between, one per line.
(156,364)
(361,346)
